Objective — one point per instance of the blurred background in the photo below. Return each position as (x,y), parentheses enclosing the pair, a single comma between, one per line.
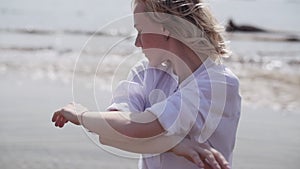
(56,51)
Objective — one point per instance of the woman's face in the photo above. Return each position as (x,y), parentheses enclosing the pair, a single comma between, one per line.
(151,37)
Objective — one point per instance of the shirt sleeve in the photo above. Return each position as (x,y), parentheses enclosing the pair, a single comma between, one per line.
(129,94)
(178,113)
(200,102)
(144,87)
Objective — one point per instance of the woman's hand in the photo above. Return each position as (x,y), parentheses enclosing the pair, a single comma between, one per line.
(201,154)
(70,113)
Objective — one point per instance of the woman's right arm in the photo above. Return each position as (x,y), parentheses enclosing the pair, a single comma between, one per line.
(202,155)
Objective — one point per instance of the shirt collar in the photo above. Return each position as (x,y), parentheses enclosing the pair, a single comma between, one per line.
(202,68)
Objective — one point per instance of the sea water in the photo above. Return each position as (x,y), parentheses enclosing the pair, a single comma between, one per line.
(47,39)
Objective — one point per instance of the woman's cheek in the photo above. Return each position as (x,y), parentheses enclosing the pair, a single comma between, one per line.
(153,41)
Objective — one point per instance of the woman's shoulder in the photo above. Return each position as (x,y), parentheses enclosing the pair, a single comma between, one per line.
(138,69)
(141,71)
(231,78)
(219,73)
(141,64)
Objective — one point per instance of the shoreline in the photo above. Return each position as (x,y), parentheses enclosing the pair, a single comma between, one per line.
(260,85)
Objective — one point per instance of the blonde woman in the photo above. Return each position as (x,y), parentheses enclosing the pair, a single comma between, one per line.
(181,101)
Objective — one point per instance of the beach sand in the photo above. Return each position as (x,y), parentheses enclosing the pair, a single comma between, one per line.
(266,138)
(30,140)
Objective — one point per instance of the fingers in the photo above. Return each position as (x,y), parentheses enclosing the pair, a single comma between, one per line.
(55,115)
(212,162)
(208,157)
(220,159)
(59,119)
(196,159)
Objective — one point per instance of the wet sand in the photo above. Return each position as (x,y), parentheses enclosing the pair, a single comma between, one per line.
(30,140)
(266,138)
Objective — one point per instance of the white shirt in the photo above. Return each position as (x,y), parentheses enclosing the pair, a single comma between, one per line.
(206,106)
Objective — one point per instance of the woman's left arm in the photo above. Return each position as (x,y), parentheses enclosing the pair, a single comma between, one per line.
(135,125)
(119,129)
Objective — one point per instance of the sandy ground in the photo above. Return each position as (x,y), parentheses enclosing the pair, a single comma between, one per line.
(266,138)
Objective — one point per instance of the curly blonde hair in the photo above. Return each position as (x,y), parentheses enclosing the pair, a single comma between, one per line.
(204,36)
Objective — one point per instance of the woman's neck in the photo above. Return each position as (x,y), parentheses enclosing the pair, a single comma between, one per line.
(185,63)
